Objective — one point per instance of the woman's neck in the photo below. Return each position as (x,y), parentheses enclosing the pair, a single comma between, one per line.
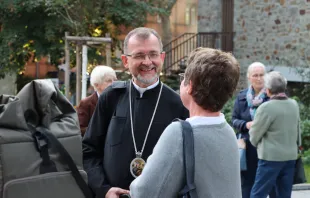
(195,110)
(257,91)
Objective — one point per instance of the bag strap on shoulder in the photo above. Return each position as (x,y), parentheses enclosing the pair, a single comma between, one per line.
(189,160)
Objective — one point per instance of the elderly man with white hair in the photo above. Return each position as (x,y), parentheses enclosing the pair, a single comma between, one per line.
(275,133)
(100,78)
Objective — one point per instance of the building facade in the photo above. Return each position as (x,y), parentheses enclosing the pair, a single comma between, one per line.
(274,32)
(183,18)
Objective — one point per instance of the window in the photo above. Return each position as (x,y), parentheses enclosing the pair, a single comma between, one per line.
(158,19)
(187,16)
(193,16)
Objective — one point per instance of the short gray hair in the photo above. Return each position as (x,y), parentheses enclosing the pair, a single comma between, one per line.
(253,65)
(142,33)
(275,82)
(102,73)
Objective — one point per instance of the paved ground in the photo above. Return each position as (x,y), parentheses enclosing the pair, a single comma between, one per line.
(301,194)
(301,191)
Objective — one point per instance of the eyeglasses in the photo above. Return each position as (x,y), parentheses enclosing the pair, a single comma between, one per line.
(258,76)
(181,76)
(141,56)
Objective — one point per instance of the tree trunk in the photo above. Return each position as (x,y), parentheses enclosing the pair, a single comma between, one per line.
(166,38)
(165,24)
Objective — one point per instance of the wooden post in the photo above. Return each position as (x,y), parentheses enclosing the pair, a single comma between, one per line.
(108,52)
(78,73)
(84,70)
(67,69)
(37,70)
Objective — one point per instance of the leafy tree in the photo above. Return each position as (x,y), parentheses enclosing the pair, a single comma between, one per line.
(164,12)
(26,29)
(37,26)
(167,5)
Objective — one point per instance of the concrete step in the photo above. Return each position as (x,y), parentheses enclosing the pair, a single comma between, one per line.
(301,191)
(301,187)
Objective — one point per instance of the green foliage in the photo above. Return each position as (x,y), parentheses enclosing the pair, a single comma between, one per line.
(172,80)
(305,128)
(307,172)
(228,109)
(301,92)
(304,122)
(26,29)
(164,5)
(306,158)
(129,12)
(38,26)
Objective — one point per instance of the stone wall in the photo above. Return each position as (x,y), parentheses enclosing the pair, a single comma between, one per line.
(7,85)
(275,32)
(209,15)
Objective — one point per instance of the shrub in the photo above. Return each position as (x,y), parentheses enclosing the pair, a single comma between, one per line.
(304,123)
(228,109)
(306,157)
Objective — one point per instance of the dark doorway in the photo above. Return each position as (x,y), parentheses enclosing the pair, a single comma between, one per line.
(228,24)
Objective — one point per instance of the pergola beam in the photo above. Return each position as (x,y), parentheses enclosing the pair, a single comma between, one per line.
(86,38)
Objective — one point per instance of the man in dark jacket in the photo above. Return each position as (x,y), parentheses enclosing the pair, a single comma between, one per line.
(129,118)
(100,78)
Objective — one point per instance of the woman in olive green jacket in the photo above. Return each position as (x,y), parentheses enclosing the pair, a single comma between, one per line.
(275,133)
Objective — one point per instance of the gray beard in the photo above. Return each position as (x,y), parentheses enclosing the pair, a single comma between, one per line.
(148,81)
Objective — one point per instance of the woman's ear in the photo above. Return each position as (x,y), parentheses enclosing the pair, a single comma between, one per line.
(189,88)
(268,92)
(95,86)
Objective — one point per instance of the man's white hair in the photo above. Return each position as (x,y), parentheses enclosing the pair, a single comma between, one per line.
(102,73)
(253,65)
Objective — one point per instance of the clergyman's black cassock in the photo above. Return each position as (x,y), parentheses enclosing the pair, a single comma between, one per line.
(108,145)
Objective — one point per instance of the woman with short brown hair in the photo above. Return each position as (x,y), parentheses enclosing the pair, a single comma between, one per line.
(209,81)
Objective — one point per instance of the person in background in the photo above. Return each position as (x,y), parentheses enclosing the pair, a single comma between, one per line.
(100,78)
(275,132)
(130,117)
(209,82)
(246,104)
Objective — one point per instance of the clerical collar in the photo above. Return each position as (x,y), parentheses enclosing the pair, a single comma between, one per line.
(142,90)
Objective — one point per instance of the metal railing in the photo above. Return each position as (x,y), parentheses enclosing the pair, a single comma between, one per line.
(179,48)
